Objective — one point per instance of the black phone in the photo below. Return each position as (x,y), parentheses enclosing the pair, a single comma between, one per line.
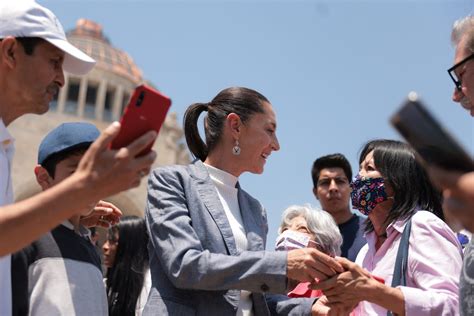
(432,143)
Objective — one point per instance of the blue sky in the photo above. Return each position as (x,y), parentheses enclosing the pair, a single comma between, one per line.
(334,70)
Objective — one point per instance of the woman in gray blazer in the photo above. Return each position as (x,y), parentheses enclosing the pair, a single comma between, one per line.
(207,235)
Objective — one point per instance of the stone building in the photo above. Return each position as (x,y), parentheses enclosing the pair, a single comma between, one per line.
(100,98)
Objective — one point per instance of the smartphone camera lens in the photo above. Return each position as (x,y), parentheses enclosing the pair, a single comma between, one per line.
(140,98)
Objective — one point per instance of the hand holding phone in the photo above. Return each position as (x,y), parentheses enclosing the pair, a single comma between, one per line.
(146,111)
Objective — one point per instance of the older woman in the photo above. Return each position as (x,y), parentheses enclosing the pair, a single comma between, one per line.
(303,226)
(207,234)
(392,189)
(315,228)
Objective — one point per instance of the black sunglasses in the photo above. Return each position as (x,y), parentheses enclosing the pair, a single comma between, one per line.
(452,71)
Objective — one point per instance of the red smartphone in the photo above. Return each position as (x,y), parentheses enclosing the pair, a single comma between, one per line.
(146,111)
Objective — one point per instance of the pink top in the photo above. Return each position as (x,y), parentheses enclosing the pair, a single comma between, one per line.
(303,290)
(434,266)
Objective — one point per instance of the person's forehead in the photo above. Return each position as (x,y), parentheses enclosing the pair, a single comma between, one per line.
(369,157)
(49,48)
(332,172)
(71,161)
(269,114)
(298,220)
(461,50)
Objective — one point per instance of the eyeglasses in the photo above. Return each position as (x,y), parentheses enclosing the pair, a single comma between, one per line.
(452,71)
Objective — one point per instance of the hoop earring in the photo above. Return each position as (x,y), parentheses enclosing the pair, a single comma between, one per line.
(236,148)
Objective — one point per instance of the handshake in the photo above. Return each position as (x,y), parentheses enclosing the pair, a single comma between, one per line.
(343,282)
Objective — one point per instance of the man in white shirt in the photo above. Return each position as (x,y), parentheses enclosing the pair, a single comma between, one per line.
(33,52)
(6,197)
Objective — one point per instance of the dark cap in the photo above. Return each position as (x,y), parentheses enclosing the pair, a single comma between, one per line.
(65,137)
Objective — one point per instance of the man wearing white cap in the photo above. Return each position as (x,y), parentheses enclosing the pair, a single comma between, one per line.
(33,53)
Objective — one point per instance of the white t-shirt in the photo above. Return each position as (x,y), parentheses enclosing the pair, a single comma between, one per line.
(6,197)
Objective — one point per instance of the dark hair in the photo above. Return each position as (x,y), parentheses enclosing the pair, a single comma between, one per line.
(93,230)
(51,162)
(331,161)
(242,101)
(126,277)
(410,183)
(29,43)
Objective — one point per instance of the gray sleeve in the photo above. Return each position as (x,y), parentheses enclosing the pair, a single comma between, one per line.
(181,254)
(283,305)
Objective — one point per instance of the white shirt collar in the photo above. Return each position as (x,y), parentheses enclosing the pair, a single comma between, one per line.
(68,224)
(221,176)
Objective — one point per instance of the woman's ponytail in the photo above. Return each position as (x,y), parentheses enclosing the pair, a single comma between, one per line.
(191,132)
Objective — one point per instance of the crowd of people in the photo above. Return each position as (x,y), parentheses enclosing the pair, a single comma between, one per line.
(200,250)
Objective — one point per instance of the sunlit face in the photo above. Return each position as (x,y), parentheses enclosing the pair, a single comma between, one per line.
(110,248)
(257,140)
(368,169)
(298,224)
(466,74)
(333,190)
(38,76)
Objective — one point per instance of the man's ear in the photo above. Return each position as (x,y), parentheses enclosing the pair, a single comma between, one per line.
(43,178)
(315,192)
(235,124)
(8,51)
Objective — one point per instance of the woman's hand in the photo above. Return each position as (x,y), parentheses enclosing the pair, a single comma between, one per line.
(321,308)
(355,285)
(347,288)
(308,264)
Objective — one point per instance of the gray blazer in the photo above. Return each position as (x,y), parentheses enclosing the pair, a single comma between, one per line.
(195,266)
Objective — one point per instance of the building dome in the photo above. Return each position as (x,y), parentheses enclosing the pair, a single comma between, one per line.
(88,37)
(99,97)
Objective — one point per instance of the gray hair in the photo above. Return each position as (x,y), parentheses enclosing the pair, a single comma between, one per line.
(320,224)
(461,28)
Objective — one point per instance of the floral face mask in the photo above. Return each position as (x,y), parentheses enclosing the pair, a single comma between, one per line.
(367,193)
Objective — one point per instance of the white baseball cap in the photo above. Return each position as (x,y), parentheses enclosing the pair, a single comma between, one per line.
(26,18)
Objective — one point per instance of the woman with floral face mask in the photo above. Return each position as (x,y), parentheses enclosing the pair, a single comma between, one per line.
(391,189)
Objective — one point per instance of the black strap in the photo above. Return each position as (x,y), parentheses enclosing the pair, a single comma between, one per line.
(401,263)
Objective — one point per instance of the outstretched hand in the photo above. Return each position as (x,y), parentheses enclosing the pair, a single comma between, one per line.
(307,264)
(347,288)
(104,214)
(321,308)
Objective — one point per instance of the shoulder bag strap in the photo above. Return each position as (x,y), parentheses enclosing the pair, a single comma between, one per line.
(401,263)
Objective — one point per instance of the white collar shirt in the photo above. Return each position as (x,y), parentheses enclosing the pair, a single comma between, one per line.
(7,150)
(228,195)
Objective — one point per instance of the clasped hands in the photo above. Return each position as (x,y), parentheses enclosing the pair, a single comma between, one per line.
(343,282)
